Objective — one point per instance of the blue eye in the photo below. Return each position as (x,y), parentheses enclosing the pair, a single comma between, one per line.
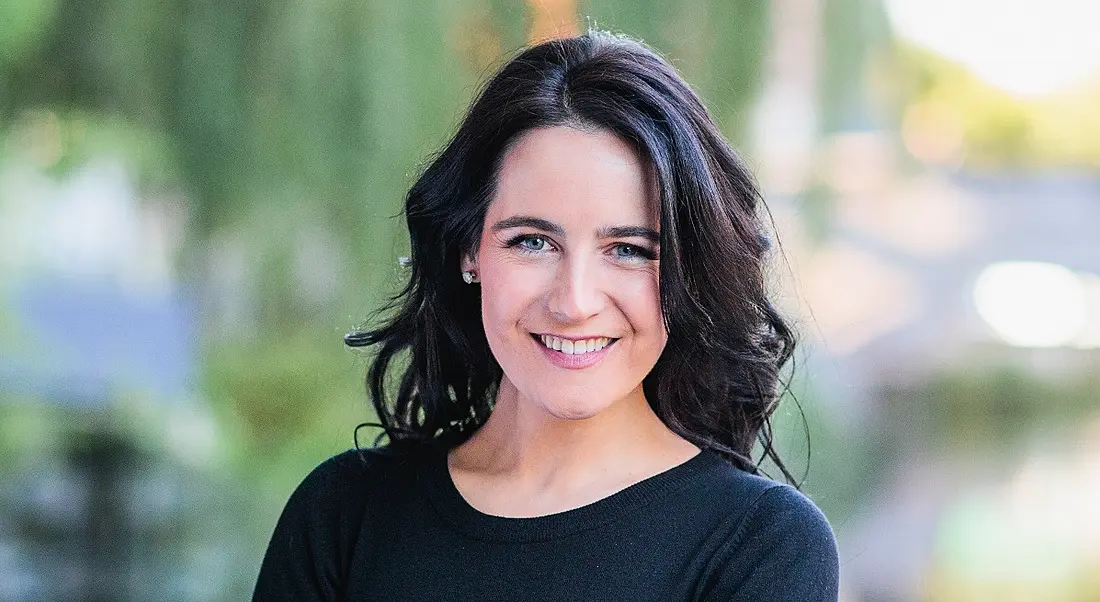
(633,252)
(626,251)
(533,243)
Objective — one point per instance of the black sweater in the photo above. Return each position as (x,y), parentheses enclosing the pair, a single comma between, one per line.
(394,527)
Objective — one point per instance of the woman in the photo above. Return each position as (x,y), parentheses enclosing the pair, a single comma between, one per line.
(585,355)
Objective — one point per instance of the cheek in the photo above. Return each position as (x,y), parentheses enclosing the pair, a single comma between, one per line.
(643,306)
(649,323)
(508,292)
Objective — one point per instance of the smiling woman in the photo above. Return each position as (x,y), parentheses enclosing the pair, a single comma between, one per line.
(586,357)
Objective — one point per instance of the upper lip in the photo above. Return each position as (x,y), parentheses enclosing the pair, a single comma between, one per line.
(573,338)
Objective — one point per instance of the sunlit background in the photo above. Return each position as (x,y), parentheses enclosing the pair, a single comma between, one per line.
(198,199)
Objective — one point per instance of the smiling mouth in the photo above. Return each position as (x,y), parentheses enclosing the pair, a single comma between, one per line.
(573,347)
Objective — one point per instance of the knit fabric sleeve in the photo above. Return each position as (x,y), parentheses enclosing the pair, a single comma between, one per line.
(306,557)
(783,550)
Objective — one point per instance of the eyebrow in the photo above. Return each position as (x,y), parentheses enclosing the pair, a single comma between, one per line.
(629,232)
(527,221)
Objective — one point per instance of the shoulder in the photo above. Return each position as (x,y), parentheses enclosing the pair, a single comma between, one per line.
(785,516)
(780,546)
(325,520)
(349,482)
(762,503)
(357,471)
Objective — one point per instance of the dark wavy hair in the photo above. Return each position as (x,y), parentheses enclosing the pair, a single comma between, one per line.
(717,381)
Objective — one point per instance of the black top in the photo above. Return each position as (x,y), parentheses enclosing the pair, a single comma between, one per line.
(392,526)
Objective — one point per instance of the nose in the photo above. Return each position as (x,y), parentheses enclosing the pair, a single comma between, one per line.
(576,292)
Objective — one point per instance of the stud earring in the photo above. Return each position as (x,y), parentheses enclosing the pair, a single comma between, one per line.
(469,278)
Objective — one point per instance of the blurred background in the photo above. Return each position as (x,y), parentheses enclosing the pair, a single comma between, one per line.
(198,199)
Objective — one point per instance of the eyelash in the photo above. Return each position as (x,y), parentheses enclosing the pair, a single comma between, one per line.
(517,242)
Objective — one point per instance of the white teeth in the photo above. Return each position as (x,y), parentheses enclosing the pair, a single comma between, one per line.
(569,347)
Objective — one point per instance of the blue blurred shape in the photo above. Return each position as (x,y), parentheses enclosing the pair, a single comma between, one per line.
(80,342)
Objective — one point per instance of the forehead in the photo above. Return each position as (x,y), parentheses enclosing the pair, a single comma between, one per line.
(576,176)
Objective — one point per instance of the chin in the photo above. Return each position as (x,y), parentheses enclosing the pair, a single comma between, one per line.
(572,412)
(573,406)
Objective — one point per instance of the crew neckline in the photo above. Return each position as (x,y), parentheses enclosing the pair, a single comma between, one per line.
(435,477)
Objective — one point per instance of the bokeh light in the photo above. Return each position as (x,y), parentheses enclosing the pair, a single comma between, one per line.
(1033,304)
(1023,46)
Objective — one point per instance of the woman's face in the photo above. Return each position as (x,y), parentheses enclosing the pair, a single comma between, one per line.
(568,268)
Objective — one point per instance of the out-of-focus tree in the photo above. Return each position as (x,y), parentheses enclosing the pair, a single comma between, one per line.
(952,116)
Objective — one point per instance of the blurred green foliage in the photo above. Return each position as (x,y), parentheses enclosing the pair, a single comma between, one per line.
(23,25)
(995,411)
(999,130)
